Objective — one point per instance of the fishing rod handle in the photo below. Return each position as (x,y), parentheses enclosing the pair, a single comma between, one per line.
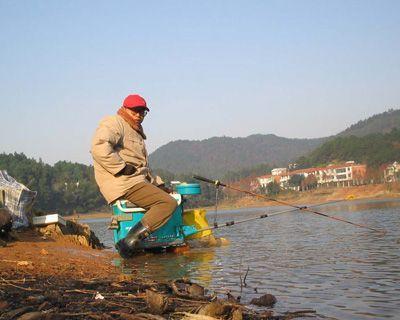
(216,182)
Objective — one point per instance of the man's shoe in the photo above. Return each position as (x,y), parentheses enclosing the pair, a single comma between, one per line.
(129,246)
(123,249)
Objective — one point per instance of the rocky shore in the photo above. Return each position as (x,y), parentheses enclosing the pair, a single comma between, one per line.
(63,273)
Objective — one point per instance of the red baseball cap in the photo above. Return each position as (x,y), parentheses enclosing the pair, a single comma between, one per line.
(135,101)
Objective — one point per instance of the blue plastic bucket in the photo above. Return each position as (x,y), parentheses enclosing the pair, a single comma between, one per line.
(188,188)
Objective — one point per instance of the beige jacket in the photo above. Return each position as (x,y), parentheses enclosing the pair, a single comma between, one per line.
(114,145)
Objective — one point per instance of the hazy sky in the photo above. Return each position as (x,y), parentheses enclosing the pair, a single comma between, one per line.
(207,68)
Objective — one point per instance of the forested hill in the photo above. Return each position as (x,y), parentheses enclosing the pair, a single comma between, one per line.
(218,155)
(61,188)
(379,123)
(373,149)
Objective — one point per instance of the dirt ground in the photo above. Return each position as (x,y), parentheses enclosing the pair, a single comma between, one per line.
(57,277)
(35,255)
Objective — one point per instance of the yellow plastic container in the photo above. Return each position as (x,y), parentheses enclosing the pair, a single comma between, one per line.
(198,219)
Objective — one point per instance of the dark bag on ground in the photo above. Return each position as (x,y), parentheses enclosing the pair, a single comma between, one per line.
(5,216)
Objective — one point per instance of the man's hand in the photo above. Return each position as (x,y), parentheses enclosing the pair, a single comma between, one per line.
(165,188)
(127,170)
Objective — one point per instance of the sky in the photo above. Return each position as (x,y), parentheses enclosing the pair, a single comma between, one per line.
(297,69)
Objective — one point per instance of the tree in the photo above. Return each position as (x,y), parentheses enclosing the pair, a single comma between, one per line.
(310,182)
(373,149)
(273,188)
(296,180)
(57,186)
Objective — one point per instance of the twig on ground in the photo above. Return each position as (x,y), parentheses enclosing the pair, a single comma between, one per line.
(7,283)
(82,291)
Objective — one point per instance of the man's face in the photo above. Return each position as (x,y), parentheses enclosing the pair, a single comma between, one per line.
(138,114)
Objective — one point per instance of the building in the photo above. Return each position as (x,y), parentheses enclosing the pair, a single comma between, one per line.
(391,172)
(345,174)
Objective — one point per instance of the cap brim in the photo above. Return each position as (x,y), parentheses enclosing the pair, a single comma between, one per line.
(137,107)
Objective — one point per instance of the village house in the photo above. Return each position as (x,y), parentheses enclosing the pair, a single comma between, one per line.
(391,172)
(338,175)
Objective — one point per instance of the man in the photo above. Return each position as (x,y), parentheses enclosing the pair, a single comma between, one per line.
(122,171)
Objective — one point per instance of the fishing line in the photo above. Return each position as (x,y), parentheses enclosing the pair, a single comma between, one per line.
(265,215)
(302,208)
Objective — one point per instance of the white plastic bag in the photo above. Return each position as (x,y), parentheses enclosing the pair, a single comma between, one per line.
(18,199)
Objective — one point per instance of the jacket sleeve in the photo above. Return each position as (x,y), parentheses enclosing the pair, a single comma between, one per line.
(105,144)
(154,179)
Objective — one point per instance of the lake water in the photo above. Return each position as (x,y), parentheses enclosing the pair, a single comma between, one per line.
(306,261)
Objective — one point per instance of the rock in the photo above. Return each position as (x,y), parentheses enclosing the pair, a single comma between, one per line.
(157,303)
(196,290)
(266,300)
(191,316)
(231,298)
(74,232)
(187,289)
(237,315)
(215,309)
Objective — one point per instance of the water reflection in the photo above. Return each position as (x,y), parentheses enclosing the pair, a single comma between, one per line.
(196,263)
(307,261)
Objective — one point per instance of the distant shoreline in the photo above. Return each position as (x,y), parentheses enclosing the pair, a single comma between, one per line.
(377,191)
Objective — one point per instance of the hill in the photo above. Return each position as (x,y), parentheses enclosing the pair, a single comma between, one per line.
(373,149)
(218,155)
(379,123)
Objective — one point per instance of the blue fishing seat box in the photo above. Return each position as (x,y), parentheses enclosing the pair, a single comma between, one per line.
(173,233)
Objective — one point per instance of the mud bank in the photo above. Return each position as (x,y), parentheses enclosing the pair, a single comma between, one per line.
(321,195)
(49,275)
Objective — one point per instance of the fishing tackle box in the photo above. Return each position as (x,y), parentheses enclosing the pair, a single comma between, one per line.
(173,233)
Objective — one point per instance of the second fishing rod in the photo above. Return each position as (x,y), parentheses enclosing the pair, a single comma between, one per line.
(218,183)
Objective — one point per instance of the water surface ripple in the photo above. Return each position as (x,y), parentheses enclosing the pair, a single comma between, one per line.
(306,261)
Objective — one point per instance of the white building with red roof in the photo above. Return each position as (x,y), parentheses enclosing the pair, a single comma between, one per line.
(344,174)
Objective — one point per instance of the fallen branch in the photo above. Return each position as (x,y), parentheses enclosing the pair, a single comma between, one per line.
(74,314)
(81,291)
(19,287)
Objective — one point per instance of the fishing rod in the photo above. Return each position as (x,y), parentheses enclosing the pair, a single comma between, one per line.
(265,215)
(218,183)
